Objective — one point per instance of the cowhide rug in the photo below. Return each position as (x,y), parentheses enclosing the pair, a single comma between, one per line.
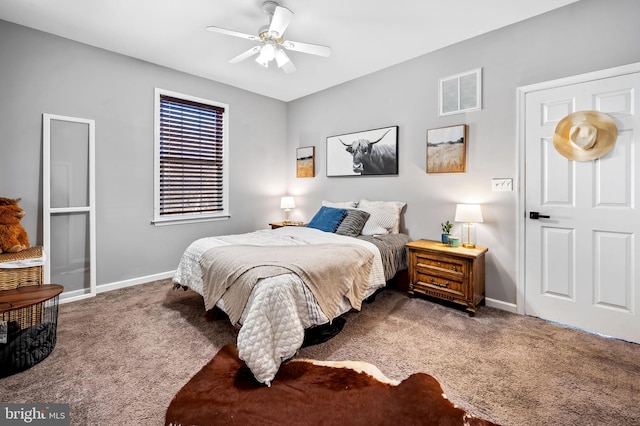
(305,393)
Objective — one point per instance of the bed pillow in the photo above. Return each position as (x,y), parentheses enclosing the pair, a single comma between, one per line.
(393,207)
(340,205)
(353,222)
(380,222)
(327,219)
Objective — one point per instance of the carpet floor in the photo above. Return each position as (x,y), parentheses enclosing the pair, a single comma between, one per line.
(122,356)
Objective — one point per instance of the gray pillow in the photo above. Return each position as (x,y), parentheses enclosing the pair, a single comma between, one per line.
(353,223)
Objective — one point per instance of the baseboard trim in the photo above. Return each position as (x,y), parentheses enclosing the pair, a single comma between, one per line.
(134,281)
(75,295)
(499,304)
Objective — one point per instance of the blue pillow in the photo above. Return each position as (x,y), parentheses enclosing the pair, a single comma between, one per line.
(327,219)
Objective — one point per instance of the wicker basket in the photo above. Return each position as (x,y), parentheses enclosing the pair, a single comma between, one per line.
(29,317)
(11,278)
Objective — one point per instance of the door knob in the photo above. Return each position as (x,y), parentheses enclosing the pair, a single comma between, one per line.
(537,215)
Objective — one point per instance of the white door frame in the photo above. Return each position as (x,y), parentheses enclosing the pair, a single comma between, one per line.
(521,155)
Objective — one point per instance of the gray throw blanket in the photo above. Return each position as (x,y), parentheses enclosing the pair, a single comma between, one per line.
(331,271)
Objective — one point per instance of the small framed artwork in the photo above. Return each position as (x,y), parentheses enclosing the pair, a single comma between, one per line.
(446,149)
(460,93)
(306,162)
(370,152)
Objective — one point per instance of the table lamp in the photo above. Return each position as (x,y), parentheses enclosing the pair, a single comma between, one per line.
(287,203)
(469,214)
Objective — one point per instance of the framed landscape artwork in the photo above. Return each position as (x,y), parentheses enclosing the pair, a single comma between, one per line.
(305,162)
(446,149)
(370,152)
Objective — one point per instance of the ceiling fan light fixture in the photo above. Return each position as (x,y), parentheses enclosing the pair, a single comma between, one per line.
(262,62)
(281,58)
(272,45)
(269,52)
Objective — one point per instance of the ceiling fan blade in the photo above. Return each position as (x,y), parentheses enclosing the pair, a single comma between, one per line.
(233,33)
(314,49)
(280,21)
(245,55)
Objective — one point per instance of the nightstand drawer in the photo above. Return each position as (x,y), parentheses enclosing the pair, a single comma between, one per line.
(450,265)
(439,283)
(452,296)
(446,268)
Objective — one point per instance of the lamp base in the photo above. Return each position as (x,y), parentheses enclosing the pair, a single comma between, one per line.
(468,235)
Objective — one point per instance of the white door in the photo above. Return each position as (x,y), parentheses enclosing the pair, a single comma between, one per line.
(581,262)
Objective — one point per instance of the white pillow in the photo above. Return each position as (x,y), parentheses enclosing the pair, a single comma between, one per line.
(340,205)
(380,222)
(393,207)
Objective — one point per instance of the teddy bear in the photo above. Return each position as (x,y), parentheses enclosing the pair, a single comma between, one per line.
(13,237)
(9,201)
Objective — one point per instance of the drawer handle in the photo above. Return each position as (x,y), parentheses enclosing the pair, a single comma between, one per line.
(433,281)
(454,269)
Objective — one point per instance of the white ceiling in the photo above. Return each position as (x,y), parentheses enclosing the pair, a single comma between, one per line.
(365,35)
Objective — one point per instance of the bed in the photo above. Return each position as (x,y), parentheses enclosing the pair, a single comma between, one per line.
(276,283)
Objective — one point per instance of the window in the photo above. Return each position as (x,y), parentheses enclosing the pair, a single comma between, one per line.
(190,158)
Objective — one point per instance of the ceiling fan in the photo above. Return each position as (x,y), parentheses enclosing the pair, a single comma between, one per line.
(272,44)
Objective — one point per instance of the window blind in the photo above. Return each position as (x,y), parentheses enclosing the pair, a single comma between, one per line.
(191,156)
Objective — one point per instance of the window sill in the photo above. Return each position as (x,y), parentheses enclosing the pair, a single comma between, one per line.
(185,220)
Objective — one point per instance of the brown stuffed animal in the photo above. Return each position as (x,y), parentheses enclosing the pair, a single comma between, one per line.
(9,201)
(13,237)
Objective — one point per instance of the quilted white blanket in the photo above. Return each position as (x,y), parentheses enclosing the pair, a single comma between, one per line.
(280,307)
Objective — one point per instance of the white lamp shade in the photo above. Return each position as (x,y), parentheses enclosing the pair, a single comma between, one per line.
(287,203)
(268,52)
(470,213)
(262,61)
(281,58)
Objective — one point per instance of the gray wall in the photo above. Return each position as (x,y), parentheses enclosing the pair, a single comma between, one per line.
(582,37)
(41,73)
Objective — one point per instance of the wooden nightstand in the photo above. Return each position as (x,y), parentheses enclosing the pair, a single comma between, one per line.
(275,225)
(455,274)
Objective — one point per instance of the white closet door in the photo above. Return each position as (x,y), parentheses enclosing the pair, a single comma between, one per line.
(581,252)
(69,204)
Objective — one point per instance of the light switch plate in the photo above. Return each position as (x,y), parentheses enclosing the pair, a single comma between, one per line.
(501,184)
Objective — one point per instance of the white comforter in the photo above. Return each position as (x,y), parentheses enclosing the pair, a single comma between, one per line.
(279,308)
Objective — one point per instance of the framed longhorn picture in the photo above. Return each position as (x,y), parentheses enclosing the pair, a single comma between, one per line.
(370,152)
